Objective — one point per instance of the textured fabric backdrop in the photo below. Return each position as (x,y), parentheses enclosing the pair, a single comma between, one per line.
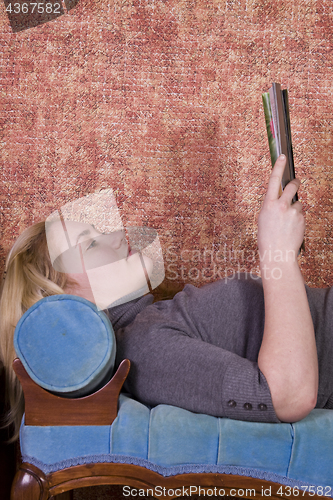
(161,100)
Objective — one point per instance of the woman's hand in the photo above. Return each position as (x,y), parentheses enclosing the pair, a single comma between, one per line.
(281,224)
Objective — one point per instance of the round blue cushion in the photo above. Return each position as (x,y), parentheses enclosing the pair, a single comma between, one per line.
(66,345)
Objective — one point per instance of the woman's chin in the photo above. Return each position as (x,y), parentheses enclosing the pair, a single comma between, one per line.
(112,282)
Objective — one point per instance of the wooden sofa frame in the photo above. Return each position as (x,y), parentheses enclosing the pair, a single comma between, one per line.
(100,408)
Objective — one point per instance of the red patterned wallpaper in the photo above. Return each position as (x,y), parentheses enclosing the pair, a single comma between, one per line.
(161,100)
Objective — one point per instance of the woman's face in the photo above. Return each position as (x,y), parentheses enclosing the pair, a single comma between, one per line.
(102,264)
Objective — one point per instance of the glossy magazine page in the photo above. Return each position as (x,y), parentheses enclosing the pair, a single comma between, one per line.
(270,127)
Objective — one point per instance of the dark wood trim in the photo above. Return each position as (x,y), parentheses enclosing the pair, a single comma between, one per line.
(43,408)
(30,483)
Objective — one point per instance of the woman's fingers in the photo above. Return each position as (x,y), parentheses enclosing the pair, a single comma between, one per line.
(297,206)
(290,190)
(274,183)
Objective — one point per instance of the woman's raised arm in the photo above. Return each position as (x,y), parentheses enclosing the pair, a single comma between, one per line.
(288,355)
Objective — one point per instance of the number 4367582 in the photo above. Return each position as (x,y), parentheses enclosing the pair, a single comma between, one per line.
(40,8)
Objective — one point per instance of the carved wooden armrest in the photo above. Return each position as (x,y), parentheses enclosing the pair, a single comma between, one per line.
(44,408)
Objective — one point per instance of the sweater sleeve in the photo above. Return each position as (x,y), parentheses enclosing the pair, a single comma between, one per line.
(171,364)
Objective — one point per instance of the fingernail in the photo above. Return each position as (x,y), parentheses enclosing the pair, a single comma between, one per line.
(282,157)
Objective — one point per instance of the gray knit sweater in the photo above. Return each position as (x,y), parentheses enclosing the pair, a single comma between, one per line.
(199,350)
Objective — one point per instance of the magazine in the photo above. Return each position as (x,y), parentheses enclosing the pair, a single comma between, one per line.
(277,118)
(276,108)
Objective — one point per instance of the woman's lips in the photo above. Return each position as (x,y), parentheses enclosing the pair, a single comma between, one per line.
(131,252)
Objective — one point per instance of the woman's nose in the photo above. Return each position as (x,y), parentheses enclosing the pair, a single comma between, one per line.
(115,239)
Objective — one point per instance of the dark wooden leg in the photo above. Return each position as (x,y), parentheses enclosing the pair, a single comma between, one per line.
(29,484)
(7,465)
(68,495)
(7,451)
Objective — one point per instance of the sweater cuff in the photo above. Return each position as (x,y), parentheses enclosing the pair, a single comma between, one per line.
(246,394)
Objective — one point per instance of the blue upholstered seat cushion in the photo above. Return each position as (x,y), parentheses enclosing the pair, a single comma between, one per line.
(66,345)
(170,440)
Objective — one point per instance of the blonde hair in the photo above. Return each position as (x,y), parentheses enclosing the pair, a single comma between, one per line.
(29,276)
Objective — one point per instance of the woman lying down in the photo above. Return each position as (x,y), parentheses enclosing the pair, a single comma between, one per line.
(247,348)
